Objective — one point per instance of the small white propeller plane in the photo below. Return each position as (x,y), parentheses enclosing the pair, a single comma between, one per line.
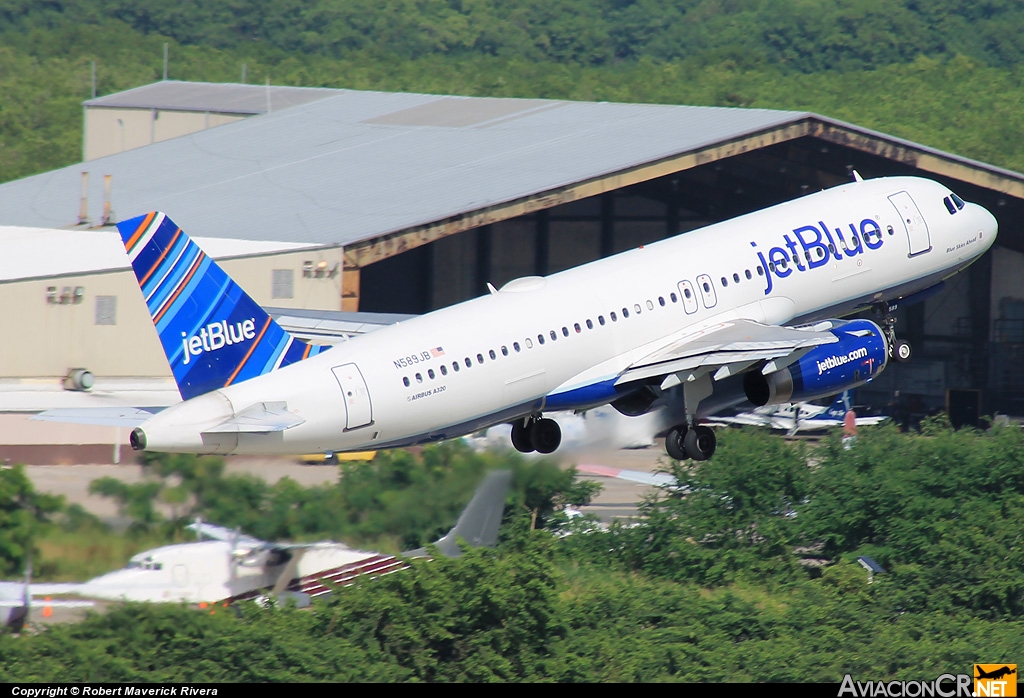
(794,418)
(740,310)
(229,566)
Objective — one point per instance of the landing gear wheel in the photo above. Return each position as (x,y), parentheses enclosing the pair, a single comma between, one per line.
(901,351)
(674,443)
(521,436)
(700,442)
(546,435)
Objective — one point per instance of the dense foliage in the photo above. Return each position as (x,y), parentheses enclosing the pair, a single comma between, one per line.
(710,585)
(942,72)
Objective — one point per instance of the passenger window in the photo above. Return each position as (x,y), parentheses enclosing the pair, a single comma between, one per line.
(673,297)
(736,277)
(419,378)
(479,358)
(625,313)
(760,271)
(725,282)
(707,287)
(430,374)
(540,338)
(492,355)
(590,325)
(504,351)
(468,362)
(577,328)
(444,370)
(661,301)
(637,308)
(613,317)
(455,365)
(554,335)
(529,343)
(600,319)
(515,345)
(565,331)
(746,273)
(686,292)
(406,381)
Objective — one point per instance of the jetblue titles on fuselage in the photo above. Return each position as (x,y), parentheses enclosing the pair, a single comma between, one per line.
(819,244)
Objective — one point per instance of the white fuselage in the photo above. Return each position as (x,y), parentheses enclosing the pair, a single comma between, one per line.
(399,385)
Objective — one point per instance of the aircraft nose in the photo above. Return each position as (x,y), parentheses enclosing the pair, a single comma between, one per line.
(988,226)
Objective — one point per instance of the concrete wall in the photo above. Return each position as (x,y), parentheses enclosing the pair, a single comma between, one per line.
(110,131)
(43,340)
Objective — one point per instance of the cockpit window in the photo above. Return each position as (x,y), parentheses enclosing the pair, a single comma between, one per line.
(949,205)
(958,201)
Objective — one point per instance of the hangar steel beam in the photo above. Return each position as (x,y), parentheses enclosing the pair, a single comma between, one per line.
(920,158)
(365,253)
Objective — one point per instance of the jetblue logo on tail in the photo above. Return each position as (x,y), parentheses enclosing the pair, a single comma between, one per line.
(217,335)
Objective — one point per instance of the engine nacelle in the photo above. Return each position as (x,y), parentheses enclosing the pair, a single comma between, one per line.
(859,355)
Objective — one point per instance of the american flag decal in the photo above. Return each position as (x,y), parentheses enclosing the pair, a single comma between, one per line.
(437,352)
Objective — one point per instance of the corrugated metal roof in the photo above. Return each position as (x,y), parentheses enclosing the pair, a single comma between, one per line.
(211,97)
(30,253)
(357,165)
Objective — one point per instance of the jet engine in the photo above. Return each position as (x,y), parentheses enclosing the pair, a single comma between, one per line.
(859,355)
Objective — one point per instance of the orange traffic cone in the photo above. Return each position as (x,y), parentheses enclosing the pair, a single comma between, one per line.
(47,609)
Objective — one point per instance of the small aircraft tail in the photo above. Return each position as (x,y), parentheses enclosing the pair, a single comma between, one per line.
(478,524)
(839,407)
(212,332)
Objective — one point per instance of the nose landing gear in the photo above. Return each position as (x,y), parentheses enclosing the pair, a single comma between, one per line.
(536,434)
(899,349)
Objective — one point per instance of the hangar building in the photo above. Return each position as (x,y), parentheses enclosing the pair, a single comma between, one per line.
(425,199)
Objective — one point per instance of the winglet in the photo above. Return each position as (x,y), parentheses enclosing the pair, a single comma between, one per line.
(212,332)
(479,521)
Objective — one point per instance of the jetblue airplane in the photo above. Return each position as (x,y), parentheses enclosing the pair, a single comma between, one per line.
(741,310)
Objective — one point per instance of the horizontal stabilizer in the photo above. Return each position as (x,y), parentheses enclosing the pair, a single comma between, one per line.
(99,416)
(261,418)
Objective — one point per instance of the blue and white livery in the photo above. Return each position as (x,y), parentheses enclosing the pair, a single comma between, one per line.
(739,310)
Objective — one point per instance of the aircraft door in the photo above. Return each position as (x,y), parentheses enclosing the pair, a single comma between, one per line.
(707,290)
(180,575)
(689,296)
(913,221)
(358,410)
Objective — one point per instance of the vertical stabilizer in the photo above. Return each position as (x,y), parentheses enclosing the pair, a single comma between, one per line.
(478,524)
(212,332)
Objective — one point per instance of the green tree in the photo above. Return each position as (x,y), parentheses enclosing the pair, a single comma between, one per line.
(23,514)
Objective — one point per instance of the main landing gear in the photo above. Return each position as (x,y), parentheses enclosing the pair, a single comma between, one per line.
(536,434)
(684,441)
(899,349)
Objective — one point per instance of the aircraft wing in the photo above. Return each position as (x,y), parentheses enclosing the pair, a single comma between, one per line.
(729,347)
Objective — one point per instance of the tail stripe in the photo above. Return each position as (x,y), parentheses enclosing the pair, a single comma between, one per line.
(178,269)
(182,285)
(167,269)
(129,246)
(143,280)
(249,353)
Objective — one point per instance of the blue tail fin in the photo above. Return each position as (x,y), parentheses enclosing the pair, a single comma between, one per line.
(212,332)
(839,407)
